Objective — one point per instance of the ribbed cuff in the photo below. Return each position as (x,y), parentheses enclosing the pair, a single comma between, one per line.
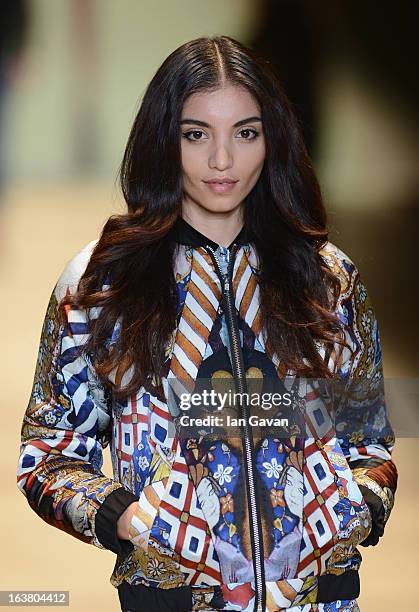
(331,587)
(376,507)
(107,517)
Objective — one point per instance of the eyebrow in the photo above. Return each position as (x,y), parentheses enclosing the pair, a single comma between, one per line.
(204,124)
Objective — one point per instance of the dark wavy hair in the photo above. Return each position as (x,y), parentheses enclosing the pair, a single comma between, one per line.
(283,213)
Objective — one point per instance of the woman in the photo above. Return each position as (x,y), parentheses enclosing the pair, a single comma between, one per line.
(220,271)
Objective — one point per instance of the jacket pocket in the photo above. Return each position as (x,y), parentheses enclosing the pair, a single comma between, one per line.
(152,493)
(321,496)
(280,471)
(353,514)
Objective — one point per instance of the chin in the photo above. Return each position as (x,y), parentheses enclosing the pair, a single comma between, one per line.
(221,209)
(222,205)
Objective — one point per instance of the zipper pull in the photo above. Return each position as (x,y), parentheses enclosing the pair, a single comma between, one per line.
(225,254)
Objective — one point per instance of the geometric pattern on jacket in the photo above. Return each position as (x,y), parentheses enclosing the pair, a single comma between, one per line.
(316,488)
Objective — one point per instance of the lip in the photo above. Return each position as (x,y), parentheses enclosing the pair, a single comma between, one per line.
(221,179)
(218,187)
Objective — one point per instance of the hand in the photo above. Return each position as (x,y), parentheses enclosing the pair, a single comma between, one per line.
(124,521)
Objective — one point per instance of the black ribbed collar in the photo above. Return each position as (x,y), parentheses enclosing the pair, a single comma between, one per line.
(184,233)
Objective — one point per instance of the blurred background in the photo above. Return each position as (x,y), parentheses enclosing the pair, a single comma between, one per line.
(72,74)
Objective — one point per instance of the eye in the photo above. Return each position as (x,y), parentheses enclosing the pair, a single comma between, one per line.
(248,131)
(195,133)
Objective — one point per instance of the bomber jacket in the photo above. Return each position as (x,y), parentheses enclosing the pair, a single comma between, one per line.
(241,522)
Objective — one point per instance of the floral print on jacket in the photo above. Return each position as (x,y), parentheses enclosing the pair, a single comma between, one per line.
(321,495)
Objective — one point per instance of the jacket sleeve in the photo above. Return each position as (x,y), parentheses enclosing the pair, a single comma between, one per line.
(65,427)
(363,428)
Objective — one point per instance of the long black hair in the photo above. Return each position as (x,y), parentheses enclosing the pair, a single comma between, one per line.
(284,214)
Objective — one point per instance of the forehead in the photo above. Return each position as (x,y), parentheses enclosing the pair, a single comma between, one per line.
(226,104)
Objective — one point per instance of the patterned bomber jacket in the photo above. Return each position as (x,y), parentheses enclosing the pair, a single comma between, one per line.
(318,496)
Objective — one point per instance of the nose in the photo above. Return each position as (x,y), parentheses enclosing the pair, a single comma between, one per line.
(220,157)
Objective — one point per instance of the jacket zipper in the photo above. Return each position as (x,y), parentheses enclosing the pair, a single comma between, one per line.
(247,435)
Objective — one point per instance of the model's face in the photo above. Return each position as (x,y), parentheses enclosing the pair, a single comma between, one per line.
(221,137)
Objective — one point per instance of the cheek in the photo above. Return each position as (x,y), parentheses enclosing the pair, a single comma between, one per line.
(260,158)
(252,164)
(190,164)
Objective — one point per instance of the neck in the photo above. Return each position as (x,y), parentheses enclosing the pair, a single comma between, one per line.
(221,228)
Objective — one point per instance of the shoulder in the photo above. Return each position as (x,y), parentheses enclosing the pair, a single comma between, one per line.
(74,270)
(342,266)
(354,306)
